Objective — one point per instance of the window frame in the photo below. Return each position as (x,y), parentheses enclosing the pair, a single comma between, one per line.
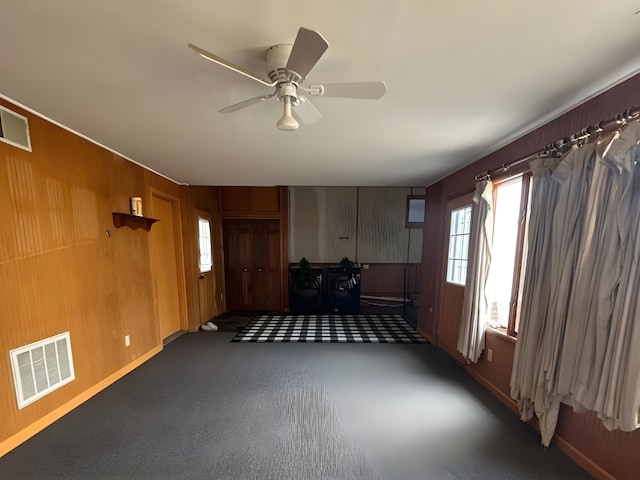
(515,301)
(450,236)
(210,252)
(409,224)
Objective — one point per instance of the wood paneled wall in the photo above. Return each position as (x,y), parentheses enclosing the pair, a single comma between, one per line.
(389,278)
(604,454)
(60,271)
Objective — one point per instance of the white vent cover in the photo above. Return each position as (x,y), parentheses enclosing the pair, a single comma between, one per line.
(41,367)
(14,129)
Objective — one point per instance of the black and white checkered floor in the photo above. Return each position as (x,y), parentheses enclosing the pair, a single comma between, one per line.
(329,328)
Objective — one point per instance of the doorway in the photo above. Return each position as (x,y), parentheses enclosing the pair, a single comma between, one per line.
(165,254)
(454,272)
(253,270)
(206,278)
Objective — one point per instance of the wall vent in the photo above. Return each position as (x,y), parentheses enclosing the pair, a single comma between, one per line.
(41,367)
(14,129)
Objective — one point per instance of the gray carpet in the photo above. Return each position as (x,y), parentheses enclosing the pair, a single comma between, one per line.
(206,408)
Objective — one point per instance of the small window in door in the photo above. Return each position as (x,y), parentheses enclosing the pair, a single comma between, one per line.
(204,237)
(459,245)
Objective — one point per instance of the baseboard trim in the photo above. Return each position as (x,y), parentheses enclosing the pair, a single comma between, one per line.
(429,338)
(565,447)
(42,423)
(581,459)
(503,397)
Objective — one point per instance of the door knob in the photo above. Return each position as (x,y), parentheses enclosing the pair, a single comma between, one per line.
(201,277)
(259,269)
(246,270)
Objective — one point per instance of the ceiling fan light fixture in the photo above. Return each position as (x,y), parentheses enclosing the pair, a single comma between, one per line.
(287,122)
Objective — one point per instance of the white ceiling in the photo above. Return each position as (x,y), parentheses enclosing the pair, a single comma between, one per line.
(463,77)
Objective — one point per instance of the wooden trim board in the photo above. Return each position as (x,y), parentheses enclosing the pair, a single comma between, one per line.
(424,333)
(503,397)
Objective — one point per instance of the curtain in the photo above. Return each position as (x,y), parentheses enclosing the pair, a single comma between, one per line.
(617,399)
(527,376)
(475,308)
(573,176)
(580,287)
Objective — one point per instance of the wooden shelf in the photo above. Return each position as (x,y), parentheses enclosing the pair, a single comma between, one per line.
(132,221)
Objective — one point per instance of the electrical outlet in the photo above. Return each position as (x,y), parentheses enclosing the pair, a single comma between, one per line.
(489,355)
(127,341)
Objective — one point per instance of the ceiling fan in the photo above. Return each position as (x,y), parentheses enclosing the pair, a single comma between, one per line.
(287,68)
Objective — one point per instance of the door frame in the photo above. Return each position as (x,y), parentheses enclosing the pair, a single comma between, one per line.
(177,232)
(450,205)
(282,215)
(207,215)
(283,248)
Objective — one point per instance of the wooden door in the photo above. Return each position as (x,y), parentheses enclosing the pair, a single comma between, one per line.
(206,279)
(163,245)
(237,244)
(259,278)
(452,291)
(252,264)
(266,276)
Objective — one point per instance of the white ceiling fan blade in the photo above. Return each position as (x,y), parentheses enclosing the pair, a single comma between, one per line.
(365,90)
(221,61)
(246,103)
(306,112)
(307,50)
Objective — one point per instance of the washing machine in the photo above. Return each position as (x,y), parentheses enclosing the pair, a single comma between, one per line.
(305,290)
(343,290)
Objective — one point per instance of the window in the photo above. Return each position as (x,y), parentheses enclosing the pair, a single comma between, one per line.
(508,249)
(204,237)
(415,211)
(459,245)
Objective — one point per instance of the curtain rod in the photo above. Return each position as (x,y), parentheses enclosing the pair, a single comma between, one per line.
(560,146)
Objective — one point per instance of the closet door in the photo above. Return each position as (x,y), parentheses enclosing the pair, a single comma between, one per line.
(238,246)
(259,278)
(253,273)
(267,270)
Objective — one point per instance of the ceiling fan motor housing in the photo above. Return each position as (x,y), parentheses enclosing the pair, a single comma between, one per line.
(276,58)
(287,82)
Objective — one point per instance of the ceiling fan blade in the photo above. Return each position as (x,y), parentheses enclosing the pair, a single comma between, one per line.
(246,103)
(306,112)
(221,61)
(307,50)
(365,90)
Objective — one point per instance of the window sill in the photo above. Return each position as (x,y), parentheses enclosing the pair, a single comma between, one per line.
(500,332)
